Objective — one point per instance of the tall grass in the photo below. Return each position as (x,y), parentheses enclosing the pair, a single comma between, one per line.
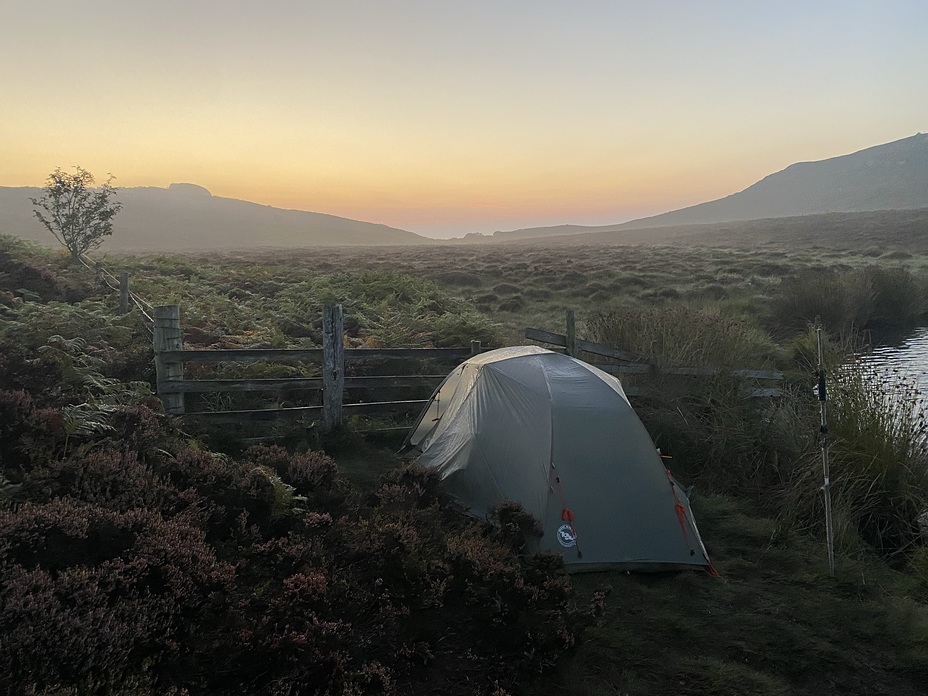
(717,435)
(879,463)
(849,301)
(684,335)
(842,301)
(900,297)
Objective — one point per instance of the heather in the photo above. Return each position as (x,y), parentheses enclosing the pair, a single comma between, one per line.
(131,558)
(141,553)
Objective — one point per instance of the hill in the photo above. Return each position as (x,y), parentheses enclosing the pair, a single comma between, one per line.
(900,230)
(892,176)
(186,216)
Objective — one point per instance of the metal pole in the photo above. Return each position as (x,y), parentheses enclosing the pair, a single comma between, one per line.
(826,488)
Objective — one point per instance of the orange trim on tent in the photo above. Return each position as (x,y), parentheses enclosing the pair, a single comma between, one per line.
(680,509)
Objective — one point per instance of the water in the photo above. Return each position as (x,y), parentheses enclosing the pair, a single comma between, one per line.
(909,358)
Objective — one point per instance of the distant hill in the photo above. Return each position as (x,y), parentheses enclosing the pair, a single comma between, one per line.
(186,216)
(893,176)
(879,231)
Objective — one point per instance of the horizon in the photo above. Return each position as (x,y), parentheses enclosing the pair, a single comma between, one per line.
(442,119)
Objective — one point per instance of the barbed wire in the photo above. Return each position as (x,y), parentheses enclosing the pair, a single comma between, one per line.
(135,298)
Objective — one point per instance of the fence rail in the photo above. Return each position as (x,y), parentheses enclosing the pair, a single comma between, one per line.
(581,346)
(170,357)
(308,412)
(245,355)
(202,386)
(630,364)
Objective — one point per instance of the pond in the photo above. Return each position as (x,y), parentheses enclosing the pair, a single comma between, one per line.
(909,357)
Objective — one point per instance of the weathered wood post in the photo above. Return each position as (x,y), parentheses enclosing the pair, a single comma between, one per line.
(167,337)
(98,281)
(333,365)
(474,348)
(124,292)
(572,335)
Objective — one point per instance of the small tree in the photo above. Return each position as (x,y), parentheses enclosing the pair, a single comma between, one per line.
(78,215)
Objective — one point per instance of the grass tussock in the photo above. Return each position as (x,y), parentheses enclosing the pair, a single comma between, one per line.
(842,302)
(681,334)
(848,301)
(879,463)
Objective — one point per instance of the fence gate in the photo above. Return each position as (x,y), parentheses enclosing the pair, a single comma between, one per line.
(170,357)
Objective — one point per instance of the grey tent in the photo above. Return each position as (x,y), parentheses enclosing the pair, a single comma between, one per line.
(559,437)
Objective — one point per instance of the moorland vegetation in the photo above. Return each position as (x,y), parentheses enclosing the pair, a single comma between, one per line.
(142,554)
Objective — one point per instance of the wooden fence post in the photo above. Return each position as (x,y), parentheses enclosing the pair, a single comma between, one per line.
(168,337)
(124,293)
(333,365)
(474,348)
(98,281)
(572,335)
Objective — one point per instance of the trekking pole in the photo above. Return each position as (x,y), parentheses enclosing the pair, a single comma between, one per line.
(826,488)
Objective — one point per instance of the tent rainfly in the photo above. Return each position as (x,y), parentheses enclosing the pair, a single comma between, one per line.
(558,436)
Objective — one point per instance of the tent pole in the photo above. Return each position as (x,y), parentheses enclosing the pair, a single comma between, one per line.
(826,488)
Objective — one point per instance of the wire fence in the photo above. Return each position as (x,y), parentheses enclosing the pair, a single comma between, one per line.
(144,307)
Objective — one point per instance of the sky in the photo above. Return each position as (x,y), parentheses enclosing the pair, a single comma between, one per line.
(448,117)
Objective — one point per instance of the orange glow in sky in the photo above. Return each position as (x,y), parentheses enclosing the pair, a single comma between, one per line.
(447,117)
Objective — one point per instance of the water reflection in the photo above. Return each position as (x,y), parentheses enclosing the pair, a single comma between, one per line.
(910,358)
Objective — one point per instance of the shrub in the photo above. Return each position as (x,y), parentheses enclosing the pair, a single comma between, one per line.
(306,471)
(411,486)
(92,594)
(900,298)
(399,595)
(849,301)
(121,573)
(230,494)
(516,528)
(113,480)
(683,335)
(842,301)
(27,434)
(879,462)
(143,430)
(20,276)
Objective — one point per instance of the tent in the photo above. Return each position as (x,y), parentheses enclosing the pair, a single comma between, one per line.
(558,436)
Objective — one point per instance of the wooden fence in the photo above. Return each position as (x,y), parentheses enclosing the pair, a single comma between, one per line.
(630,364)
(101,280)
(170,358)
